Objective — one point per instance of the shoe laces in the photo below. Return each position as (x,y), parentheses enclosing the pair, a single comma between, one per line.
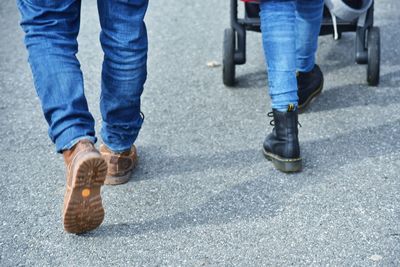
(271,115)
(272,122)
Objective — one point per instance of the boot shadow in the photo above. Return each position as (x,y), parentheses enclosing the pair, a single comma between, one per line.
(266,196)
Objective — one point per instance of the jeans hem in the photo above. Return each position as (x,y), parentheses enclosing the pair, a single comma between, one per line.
(118,150)
(75,141)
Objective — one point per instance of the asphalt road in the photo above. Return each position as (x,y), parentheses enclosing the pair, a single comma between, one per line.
(203,193)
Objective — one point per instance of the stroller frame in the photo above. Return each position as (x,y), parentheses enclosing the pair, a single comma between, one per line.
(367,41)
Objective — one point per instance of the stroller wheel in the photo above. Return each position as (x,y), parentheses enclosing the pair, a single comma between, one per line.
(228,68)
(374,56)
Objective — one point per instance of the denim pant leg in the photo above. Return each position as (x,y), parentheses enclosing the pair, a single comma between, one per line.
(279,40)
(51,28)
(308,24)
(124,42)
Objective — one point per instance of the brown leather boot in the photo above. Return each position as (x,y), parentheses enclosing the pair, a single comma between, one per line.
(120,165)
(86,172)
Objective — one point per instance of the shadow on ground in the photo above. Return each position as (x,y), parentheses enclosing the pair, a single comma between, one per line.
(265,197)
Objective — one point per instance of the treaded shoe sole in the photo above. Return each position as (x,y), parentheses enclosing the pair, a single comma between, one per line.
(301,108)
(283,164)
(83,208)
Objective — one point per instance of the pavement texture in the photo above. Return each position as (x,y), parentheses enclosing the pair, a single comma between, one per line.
(203,194)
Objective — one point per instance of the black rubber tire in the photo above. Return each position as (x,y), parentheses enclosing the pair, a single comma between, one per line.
(374,56)
(228,62)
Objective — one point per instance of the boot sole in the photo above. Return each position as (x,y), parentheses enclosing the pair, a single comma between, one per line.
(303,107)
(283,164)
(84,210)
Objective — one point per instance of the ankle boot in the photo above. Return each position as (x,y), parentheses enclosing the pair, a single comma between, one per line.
(86,172)
(309,85)
(282,145)
(120,165)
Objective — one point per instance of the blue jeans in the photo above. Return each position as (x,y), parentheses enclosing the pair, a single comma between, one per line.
(51,28)
(290,30)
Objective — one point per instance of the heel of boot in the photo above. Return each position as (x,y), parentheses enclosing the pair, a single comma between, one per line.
(283,164)
(288,166)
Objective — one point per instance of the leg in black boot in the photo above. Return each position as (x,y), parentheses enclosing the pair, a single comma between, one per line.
(309,86)
(282,145)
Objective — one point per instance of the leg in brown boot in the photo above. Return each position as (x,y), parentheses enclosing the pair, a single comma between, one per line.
(120,165)
(86,172)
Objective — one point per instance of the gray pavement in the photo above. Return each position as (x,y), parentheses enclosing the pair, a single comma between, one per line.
(203,194)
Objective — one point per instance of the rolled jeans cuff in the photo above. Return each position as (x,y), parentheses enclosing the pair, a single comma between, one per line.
(63,143)
(122,145)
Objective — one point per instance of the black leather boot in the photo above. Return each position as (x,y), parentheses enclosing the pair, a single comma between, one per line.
(309,86)
(282,145)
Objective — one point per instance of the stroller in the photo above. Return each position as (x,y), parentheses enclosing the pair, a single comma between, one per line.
(367,43)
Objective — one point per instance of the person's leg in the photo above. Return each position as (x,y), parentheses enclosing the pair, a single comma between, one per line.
(51,29)
(308,23)
(278,35)
(124,42)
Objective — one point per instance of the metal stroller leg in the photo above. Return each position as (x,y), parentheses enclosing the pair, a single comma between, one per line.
(361,45)
(361,51)
(240,51)
(368,48)
(234,47)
